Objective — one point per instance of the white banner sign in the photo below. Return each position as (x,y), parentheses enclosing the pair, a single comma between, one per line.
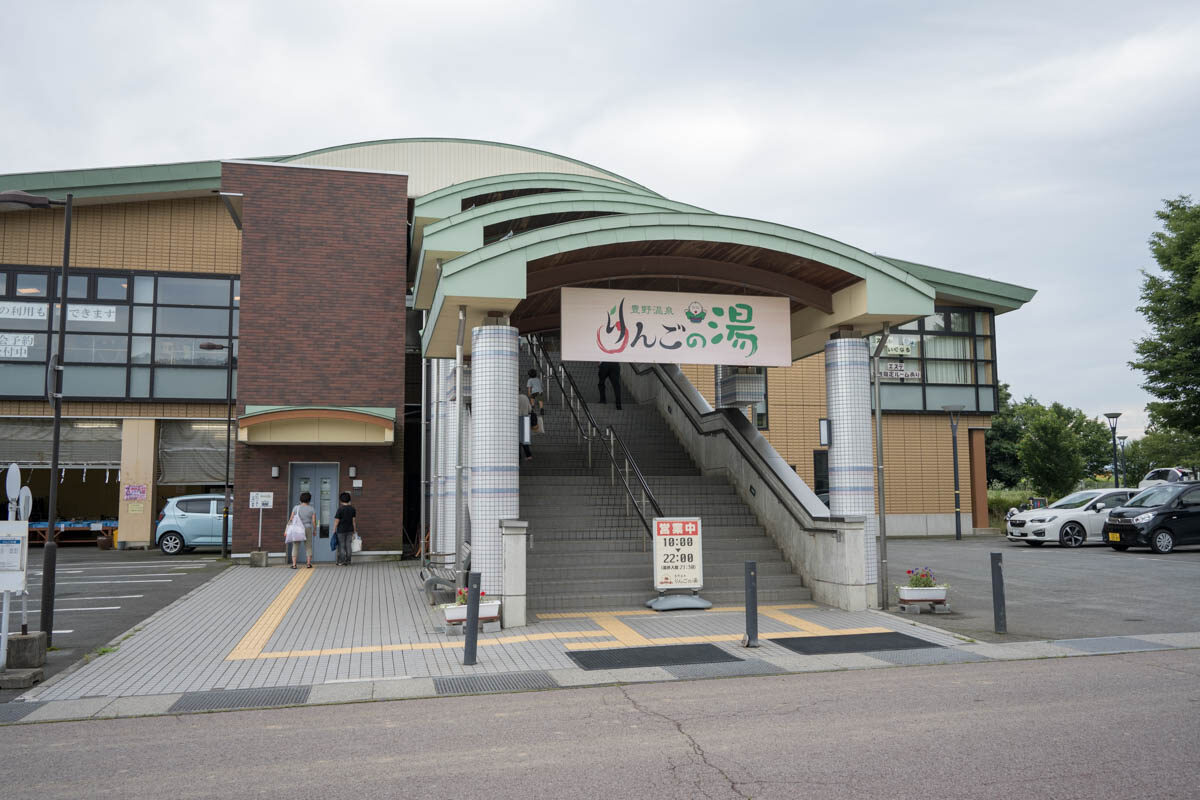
(675,328)
(75,312)
(678,553)
(79,313)
(22,310)
(895,369)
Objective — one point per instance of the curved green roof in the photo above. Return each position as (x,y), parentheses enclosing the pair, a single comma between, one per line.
(452,140)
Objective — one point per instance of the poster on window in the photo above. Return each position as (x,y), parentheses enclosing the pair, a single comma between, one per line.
(675,328)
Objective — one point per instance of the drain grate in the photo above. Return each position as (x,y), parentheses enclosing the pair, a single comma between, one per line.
(504,682)
(665,656)
(15,712)
(851,643)
(241,698)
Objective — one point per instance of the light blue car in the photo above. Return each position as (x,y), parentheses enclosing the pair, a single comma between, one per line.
(192,520)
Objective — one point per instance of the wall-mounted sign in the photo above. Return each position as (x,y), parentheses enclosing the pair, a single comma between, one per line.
(898,347)
(675,328)
(678,553)
(136,509)
(895,369)
(262,499)
(135,491)
(9,310)
(81,313)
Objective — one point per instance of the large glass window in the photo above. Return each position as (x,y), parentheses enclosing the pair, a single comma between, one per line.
(946,358)
(210,321)
(96,349)
(32,285)
(112,288)
(127,336)
(193,292)
(173,350)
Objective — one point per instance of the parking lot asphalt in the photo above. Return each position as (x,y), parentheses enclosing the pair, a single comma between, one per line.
(1053,592)
(101,594)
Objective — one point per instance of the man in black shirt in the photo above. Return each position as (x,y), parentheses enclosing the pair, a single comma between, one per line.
(347,528)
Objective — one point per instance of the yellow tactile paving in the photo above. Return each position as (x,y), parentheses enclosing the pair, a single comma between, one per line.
(410,646)
(257,637)
(611,630)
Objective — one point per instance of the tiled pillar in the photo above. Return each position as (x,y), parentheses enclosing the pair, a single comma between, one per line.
(447,453)
(851,469)
(495,478)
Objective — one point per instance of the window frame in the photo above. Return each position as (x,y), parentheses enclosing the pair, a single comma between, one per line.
(91,276)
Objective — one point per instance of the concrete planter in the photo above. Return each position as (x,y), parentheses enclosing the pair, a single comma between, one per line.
(930,594)
(455,614)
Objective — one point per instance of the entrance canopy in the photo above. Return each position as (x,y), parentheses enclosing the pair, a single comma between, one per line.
(342,425)
(507,244)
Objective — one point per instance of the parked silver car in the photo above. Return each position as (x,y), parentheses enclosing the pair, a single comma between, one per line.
(191,520)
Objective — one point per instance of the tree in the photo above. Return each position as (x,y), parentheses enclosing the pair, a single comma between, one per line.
(1049,453)
(1160,448)
(1170,356)
(1002,440)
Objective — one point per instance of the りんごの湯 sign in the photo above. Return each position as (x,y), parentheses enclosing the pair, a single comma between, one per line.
(675,328)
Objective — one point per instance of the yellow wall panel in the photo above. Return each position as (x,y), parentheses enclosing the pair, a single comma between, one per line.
(187,235)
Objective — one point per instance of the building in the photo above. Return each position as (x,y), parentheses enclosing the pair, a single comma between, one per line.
(327,277)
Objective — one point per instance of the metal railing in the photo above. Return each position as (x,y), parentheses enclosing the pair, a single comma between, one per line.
(734,426)
(622,464)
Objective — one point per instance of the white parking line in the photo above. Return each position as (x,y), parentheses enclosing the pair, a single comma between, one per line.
(93,608)
(71,630)
(79,583)
(105,597)
(127,564)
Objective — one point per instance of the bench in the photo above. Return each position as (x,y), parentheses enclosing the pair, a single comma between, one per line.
(440,571)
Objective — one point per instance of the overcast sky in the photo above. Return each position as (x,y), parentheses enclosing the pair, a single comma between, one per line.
(1026,142)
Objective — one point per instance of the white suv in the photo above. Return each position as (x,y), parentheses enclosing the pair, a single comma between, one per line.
(1166,475)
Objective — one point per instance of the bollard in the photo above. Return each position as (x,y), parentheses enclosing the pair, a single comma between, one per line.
(472,623)
(998,593)
(751,637)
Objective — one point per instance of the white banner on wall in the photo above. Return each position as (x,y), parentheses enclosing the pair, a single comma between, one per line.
(10,310)
(76,312)
(675,328)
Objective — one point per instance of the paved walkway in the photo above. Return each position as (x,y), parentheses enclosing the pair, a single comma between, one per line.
(267,637)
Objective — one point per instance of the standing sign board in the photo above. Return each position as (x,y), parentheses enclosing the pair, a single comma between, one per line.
(14,550)
(678,554)
(676,328)
(262,499)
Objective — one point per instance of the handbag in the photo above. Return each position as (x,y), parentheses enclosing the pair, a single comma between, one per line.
(333,540)
(294,532)
(356,544)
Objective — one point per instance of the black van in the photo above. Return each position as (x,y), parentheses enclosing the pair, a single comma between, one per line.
(1161,518)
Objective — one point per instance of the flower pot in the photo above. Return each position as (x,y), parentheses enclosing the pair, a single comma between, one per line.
(455,613)
(922,594)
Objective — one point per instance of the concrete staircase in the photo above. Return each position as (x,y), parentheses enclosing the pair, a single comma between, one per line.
(588,552)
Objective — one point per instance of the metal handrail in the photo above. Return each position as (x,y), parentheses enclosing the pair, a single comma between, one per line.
(754,459)
(572,398)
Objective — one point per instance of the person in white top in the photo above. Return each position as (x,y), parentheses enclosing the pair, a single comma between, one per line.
(533,387)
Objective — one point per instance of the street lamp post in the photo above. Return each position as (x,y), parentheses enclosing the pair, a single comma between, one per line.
(1112,424)
(1122,439)
(228,435)
(54,385)
(955,413)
